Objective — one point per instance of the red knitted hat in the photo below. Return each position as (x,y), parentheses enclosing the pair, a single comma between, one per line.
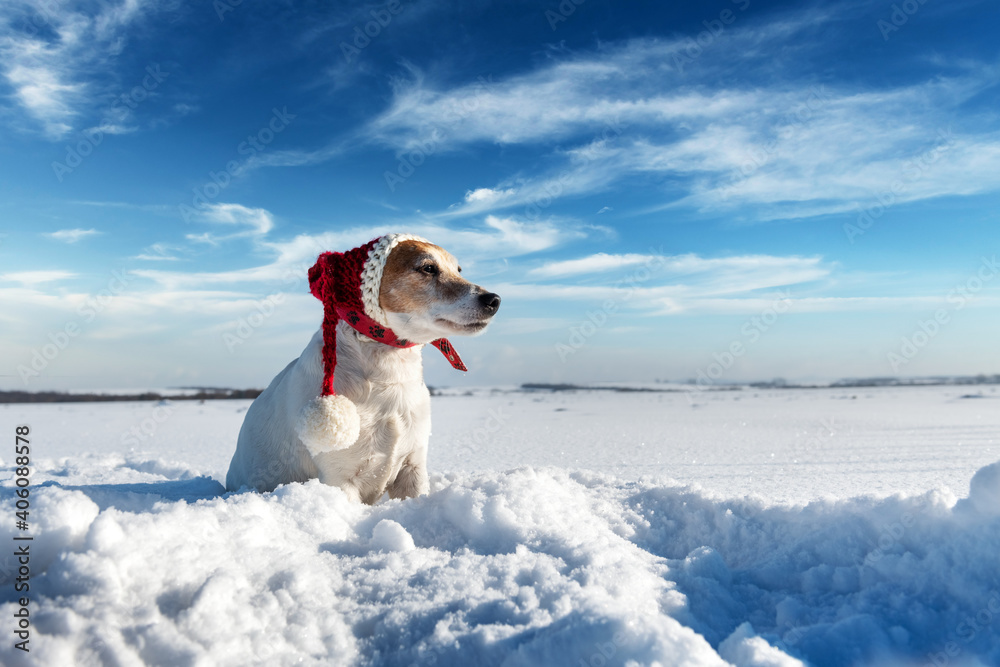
(348,284)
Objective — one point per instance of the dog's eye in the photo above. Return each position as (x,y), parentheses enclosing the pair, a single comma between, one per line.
(429,269)
(459,269)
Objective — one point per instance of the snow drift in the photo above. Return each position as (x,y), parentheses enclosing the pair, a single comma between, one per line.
(139,562)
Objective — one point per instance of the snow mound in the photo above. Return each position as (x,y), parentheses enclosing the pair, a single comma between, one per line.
(390,536)
(523,567)
(746,649)
(984,490)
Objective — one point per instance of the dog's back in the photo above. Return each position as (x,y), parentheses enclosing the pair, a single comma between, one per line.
(268,451)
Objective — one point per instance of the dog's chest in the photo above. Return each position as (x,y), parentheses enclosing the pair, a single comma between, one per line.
(395,424)
(386,384)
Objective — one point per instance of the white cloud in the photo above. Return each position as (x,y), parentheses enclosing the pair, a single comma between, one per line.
(763,150)
(833,304)
(586,171)
(488,195)
(113,128)
(54,78)
(653,285)
(44,94)
(684,264)
(691,263)
(71,235)
(497,238)
(527,237)
(256,222)
(591,264)
(694,299)
(595,93)
(36,277)
(158,252)
(293,157)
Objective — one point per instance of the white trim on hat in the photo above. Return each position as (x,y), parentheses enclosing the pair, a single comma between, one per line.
(371,274)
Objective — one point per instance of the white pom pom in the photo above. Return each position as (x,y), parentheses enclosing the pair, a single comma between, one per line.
(329,423)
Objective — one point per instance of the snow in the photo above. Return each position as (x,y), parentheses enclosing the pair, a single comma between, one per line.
(781,527)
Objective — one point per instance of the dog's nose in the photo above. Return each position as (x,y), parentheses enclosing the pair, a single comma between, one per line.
(490,302)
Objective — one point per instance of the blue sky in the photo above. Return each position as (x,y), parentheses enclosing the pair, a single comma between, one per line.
(729,190)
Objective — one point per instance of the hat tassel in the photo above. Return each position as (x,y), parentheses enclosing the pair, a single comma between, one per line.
(329,422)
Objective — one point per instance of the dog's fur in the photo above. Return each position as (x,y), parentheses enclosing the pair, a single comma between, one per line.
(424,298)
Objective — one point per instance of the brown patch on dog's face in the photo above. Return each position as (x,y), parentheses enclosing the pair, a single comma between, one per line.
(418,276)
(425,298)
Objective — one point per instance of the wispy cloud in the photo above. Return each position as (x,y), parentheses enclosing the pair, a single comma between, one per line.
(767,150)
(256,222)
(634,82)
(695,299)
(487,195)
(719,274)
(669,285)
(158,252)
(36,277)
(597,263)
(71,235)
(494,239)
(294,157)
(51,52)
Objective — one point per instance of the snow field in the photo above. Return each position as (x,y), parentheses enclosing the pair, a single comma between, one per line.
(140,558)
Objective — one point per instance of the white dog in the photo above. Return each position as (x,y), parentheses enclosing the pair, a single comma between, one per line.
(364,427)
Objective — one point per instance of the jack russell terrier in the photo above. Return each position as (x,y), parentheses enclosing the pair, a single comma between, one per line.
(364,428)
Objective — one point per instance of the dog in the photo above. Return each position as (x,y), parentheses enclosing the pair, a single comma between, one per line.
(353,409)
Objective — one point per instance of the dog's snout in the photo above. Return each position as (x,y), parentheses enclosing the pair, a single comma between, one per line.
(490,302)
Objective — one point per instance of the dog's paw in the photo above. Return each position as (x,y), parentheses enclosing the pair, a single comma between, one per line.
(329,423)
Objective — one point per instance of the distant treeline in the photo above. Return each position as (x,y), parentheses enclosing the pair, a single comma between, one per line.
(541,386)
(64,397)
(919,382)
(779,383)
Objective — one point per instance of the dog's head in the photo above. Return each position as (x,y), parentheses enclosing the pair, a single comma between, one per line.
(425,297)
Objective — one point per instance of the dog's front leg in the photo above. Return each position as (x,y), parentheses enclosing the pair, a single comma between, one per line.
(333,470)
(412,478)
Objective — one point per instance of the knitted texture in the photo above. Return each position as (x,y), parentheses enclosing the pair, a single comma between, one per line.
(371,276)
(335,280)
(348,284)
(329,423)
